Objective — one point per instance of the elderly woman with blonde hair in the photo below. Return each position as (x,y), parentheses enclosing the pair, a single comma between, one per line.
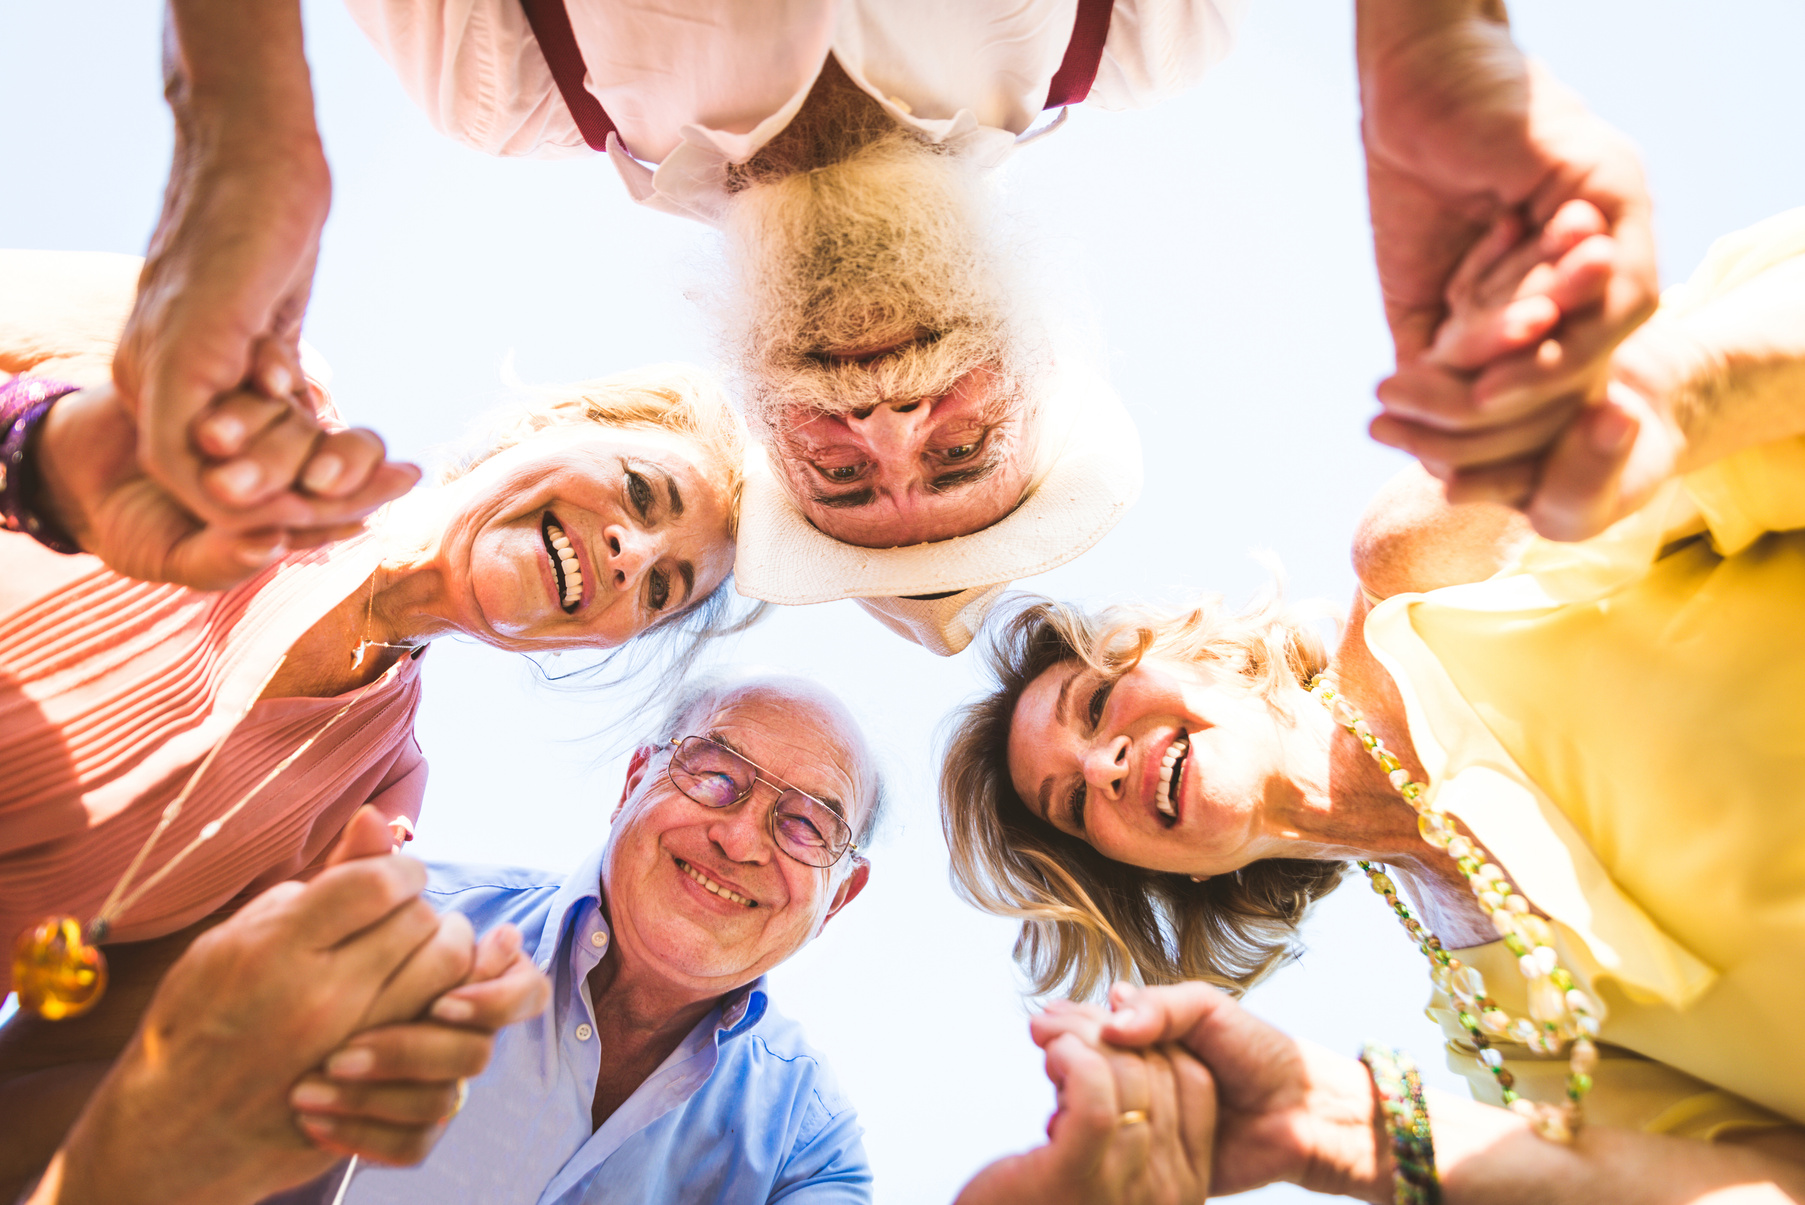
(171,752)
(1571,770)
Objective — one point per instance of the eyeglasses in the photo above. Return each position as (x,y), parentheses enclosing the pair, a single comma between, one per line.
(801,825)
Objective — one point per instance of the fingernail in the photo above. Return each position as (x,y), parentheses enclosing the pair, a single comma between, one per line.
(312,1095)
(278,381)
(316,1125)
(322,472)
(240,477)
(1611,429)
(259,555)
(351,1064)
(225,430)
(450,1008)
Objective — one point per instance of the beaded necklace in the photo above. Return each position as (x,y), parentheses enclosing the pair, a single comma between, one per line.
(1559,1012)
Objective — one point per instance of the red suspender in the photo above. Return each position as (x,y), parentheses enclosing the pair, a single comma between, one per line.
(551,26)
(1078,71)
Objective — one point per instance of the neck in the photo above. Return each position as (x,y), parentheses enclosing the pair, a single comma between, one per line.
(835,120)
(642,1010)
(408,600)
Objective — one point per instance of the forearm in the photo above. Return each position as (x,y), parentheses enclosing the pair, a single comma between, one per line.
(1489,1156)
(1745,381)
(1382,26)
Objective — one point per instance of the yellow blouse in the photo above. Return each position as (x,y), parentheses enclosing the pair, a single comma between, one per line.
(1622,723)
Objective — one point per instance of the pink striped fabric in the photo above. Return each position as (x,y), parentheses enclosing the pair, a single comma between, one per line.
(111,692)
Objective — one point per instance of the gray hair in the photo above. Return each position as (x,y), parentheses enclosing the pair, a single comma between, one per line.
(705,694)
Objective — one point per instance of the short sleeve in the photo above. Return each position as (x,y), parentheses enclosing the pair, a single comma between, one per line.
(1160,48)
(476,71)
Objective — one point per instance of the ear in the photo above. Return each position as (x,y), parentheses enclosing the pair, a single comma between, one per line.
(849,890)
(636,772)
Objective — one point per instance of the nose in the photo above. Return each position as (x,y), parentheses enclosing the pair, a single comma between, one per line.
(1106,766)
(743,832)
(894,428)
(629,551)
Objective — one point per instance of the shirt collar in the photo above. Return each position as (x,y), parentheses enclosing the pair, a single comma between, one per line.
(578,906)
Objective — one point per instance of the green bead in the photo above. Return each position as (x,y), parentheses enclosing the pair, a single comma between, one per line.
(1387,762)
(1578,1085)
(1561,979)
(1516,945)
(1469,865)
(1382,883)
(1411,790)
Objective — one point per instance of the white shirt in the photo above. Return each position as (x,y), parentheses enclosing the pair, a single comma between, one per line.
(693,85)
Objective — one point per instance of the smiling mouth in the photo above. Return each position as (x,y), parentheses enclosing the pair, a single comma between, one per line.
(564,563)
(1171,776)
(709,884)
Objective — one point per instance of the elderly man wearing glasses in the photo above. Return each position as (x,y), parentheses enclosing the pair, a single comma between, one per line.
(661,1072)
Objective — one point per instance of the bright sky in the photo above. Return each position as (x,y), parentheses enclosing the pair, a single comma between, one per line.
(1218,247)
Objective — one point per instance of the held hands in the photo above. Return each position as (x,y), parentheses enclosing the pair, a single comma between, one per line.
(1133,1126)
(1575,467)
(209,363)
(1285,1110)
(94,484)
(1464,136)
(387,1093)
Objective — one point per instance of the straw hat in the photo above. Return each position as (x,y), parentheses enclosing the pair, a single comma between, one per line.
(937,594)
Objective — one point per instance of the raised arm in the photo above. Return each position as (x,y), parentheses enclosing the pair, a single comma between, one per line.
(1461,129)
(1293,1112)
(219,307)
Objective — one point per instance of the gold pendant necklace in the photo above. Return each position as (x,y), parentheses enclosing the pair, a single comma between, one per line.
(58,968)
(1559,1013)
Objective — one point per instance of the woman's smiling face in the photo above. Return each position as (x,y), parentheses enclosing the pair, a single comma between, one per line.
(584,536)
(1170,767)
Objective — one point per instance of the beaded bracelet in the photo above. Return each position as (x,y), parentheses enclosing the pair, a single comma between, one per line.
(24,403)
(1413,1180)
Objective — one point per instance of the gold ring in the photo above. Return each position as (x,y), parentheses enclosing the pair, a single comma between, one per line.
(463,1095)
(1132,1117)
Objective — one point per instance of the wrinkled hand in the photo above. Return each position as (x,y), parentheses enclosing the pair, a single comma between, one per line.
(1090,1157)
(88,460)
(197,1108)
(1574,469)
(209,363)
(1286,1110)
(387,1093)
(1462,131)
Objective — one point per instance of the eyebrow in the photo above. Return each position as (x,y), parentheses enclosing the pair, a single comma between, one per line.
(847,501)
(834,805)
(687,572)
(670,487)
(970,475)
(1060,715)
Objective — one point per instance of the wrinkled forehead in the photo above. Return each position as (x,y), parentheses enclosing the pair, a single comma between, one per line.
(796,732)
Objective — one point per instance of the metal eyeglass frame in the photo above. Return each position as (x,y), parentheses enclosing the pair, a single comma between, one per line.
(760,774)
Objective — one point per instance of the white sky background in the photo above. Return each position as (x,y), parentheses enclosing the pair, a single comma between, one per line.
(1218,246)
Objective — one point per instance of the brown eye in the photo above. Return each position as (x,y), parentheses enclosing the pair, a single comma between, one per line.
(658,589)
(1099,697)
(845,472)
(639,493)
(962,452)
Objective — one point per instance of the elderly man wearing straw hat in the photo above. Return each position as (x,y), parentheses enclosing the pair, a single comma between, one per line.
(919,437)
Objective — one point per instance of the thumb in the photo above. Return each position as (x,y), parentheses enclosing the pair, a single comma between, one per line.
(367,836)
(1578,493)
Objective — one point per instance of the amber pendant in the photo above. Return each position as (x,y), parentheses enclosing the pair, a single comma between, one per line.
(56,972)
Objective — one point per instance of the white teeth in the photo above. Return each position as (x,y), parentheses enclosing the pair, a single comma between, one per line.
(1162,795)
(567,564)
(710,885)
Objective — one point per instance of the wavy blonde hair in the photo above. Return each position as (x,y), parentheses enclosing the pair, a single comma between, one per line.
(1087,920)
(679,398)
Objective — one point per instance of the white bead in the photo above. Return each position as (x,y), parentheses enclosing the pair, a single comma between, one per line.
(1469,984)
(1491,1058)
(1546,1002)
(1529,966)
(1516,903)
(1490,872)
(1545,958)
(1459,847)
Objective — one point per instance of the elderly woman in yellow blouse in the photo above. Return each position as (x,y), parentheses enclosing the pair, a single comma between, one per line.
(1595,750)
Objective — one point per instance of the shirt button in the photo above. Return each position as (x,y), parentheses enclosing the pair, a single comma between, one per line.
(584,1032)
(598,939)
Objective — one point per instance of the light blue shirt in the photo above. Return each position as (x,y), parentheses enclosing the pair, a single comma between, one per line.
(743,1112)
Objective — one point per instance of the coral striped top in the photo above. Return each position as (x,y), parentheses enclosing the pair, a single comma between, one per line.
(113,690)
